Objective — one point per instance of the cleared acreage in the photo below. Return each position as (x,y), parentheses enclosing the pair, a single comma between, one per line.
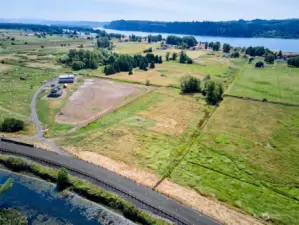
(247,156)
(94,97)
(142,134)
(276,82)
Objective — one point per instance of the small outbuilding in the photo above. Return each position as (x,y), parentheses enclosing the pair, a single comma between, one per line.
(66,79)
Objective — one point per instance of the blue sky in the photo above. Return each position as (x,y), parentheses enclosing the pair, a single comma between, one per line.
(165,10)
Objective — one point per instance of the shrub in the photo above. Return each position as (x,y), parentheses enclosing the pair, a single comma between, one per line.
(190,61)
(16,164)
(78,65)
(214,91)
(293,61)
(26,43)
(11,125)
(64,59)
(148,50)
(190,84)
(174,56)
(108,70)
(235,54)
(42,46)
(62,179)
(269,58)
(147,83)
(152,65)
(12,217)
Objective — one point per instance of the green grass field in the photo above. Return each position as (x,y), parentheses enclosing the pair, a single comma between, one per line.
(170,73)
(143,133)
(16,94)
(133,47)
(275,82)
(247,156)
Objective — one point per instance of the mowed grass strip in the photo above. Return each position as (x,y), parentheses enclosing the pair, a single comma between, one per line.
(247,157)
(276,82)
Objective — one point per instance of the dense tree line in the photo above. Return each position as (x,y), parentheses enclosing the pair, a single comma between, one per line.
(126,63)
(154,38)
(187,42)
(113,62)
(257,51)
(59,30)
(241,28)
(82,59)
(293,61)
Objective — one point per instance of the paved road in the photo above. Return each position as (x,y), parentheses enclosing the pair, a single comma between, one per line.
(149,196)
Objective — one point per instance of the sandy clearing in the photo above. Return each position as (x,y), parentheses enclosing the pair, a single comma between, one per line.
(93,98)
(213,208)
(139,176)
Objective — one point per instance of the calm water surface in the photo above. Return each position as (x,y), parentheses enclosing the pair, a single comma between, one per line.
(42,204)
(286,45)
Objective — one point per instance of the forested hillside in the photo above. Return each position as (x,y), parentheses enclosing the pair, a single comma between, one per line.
(241,28)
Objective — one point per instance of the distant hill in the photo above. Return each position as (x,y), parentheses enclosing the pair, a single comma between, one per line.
(56,23)
(256,28)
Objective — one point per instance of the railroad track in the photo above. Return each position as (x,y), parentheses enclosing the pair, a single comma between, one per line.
(128,196)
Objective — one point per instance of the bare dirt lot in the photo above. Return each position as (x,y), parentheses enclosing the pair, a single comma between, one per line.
(94,97)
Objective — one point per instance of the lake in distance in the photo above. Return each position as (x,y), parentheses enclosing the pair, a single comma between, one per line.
(274,44)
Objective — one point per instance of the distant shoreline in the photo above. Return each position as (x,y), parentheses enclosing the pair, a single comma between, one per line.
(288,46)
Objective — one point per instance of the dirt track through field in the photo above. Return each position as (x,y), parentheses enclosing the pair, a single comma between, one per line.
(94,97)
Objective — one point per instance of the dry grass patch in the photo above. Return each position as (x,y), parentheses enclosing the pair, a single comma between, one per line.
(4,68)
(133,47)
(174,113)
(141,177)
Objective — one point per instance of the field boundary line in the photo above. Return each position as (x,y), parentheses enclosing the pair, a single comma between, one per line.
(262,101)
(202,123)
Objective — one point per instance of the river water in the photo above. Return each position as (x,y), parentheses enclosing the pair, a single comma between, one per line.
(43,205)
(274,44)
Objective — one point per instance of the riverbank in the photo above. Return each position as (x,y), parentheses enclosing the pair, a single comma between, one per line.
(38,200)
(84,189)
